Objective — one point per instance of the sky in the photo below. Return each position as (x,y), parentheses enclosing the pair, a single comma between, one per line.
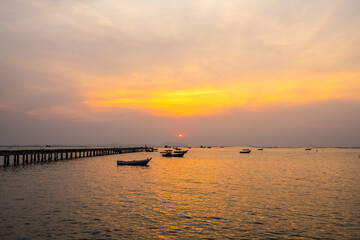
(133,72)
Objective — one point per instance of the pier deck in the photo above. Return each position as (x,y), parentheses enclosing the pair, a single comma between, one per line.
(33,156)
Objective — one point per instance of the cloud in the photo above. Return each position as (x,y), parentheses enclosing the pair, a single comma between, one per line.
(77,113)
(93,60)
(5,107)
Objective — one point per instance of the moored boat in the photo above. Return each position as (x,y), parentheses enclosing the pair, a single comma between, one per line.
(135,162)
(181,151)
(151,149)
(169,153)
(245,150)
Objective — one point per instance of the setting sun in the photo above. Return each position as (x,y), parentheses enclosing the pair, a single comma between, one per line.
(187,119)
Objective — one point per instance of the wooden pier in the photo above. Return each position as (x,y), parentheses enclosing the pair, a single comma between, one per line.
(33,156)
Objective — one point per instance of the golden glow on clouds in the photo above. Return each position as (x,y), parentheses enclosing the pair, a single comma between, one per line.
(166,102)
(194,59)
(204,100)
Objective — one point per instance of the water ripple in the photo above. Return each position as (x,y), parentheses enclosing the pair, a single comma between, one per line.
(217,194)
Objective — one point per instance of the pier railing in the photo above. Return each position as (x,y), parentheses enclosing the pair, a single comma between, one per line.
(33,156)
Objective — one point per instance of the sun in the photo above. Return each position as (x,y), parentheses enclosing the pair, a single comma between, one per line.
(180,135)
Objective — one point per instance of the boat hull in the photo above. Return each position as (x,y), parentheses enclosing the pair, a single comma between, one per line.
(181,151)
(173,154)
(134,163)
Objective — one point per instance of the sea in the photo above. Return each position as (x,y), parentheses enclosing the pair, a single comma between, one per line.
(212,193)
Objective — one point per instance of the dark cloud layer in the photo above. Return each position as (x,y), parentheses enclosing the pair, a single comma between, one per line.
(324,124)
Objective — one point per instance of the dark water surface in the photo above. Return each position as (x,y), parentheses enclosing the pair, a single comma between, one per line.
(209,194)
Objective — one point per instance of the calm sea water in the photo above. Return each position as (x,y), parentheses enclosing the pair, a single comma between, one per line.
(209,194)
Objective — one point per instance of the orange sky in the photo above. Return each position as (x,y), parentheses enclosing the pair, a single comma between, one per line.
(87,61)
(180,101)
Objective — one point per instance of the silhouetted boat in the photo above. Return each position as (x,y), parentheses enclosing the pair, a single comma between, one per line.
(181,151)
(245,150)
(307,149)
(151,150)
(169,153)
(135,162)
(260,149)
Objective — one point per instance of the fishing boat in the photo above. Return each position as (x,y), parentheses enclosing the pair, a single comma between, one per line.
(307,149)
(245,150)
(135,162)
(260,149)
(181,151)
(169,153)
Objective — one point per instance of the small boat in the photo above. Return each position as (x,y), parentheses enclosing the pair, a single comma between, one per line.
(260,149)
(151,149)
(245,150)
(166,150)
(169,153)
(307,149)
(135,162)
(181,151)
